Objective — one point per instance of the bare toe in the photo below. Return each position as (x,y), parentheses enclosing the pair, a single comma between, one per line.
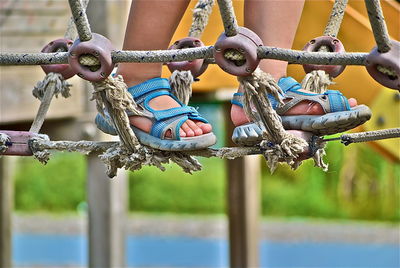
(352,102)
(187,129)
(206,128)
(197,131)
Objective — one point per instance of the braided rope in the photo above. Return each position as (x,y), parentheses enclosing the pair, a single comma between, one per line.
(304,57)
(292,56)
(378,25)
(81,20)
(71,28)
(228,17)
(335,20)
(201,14)
(370,136)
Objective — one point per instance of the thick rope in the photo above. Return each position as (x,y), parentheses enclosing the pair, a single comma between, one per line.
(292,56)
(278,144)
(181,85)
(304,57)
(4,142)
(378,25)
(335,20)
(228,17)
(71,28)
(81,20)
(52,84)
(201,14)
(111,96)
(370,136)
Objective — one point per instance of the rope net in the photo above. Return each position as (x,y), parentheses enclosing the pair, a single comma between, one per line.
(111,95)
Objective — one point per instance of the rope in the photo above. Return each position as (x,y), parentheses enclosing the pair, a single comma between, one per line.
(292,56)
(228,17)
(81,20)
(71,29)
(111,95)
(378,25)
(370,136)
(278,144)
(201,14)
(304,57)
(52,84)
(90,60)
(333,26)
(181,85)
(316,81)
(4,143)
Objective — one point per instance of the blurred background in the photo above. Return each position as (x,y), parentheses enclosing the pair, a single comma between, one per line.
(346,217)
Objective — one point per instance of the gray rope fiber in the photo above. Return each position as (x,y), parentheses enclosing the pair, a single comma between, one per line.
(201,14)
(378,25)
(228,17)
(292,56)
(370,136)
(71,28)
(93,146)
(81,21)
(304,57)
(335,20)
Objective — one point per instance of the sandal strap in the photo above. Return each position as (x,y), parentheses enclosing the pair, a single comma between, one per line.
(288,84)
(237,99)
(163,120)
(331,101)
(160,128)
(141,91)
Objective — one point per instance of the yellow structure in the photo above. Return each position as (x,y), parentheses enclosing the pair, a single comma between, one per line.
(356,35)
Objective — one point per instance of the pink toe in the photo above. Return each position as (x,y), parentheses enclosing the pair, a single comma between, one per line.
(352,102)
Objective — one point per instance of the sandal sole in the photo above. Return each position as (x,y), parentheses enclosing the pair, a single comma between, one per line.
(251,134)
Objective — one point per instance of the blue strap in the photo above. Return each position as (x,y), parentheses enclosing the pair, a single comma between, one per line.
(149,86)
(288,83)
(159,127)
(337,101)
(235,100)
(169,113)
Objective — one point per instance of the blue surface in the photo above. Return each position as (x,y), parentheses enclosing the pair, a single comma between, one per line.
(145,251)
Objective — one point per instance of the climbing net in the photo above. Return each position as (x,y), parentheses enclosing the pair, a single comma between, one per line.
(238,51)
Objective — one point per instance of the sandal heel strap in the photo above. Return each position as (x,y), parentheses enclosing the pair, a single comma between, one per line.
(149,86)
(288,83)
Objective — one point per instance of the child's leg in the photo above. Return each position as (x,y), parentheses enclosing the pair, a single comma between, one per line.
(151,25)
(276,23)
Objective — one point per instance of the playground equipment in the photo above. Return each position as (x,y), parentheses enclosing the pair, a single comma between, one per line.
(237,51)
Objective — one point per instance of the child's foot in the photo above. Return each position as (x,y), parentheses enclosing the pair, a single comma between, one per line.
(190,128)
(320,114)
(166,124)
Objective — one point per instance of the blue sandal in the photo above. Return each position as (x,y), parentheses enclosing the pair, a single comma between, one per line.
(163,120)
(338,115)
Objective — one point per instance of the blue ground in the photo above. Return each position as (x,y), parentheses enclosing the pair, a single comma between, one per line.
(145,251)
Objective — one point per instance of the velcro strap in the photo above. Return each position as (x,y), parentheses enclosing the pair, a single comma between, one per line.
(337,101)
(288,83)
(169,113)
(149,86)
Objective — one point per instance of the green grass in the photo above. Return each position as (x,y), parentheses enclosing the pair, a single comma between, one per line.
(57,186)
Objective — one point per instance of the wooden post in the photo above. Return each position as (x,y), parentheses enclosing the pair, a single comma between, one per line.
(243,207)
(107,199)
(6,208)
